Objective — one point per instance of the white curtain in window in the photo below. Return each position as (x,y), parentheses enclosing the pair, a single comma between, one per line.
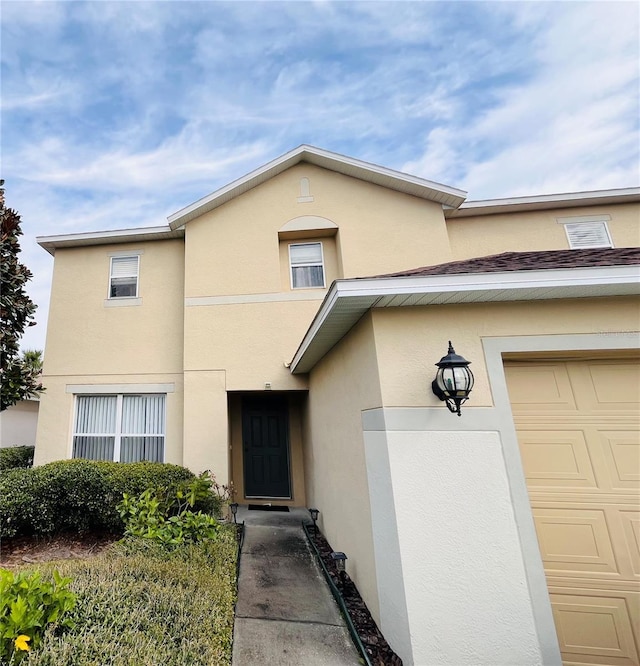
(124,266)
(96,414)
(143,415)
(306,253)
(134,449)
(93,448)
(306,265)
(307,276)
(138,434)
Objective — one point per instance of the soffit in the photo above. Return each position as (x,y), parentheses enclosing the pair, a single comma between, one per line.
(348,300)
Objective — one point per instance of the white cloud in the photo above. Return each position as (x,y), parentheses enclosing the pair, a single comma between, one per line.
(116,114)
(572,124)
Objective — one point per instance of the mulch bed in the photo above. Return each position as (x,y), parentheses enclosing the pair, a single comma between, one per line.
(25,550)
(379,651)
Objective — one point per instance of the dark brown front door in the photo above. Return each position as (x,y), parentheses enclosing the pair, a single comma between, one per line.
(265,439)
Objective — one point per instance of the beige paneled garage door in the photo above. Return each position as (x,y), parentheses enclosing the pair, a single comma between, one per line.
(579,434)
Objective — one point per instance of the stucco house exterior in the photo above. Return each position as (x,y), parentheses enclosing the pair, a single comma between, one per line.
(283,332)
(18,423)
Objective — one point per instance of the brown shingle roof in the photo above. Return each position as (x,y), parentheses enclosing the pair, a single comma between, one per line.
(530,261)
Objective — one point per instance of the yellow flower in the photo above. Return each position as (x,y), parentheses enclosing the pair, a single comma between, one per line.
(21,642)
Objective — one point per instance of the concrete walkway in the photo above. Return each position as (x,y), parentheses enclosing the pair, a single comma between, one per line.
(285,614)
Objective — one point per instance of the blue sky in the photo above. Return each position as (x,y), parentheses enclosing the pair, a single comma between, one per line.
(116,114)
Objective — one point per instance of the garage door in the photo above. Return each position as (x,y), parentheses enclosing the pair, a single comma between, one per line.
(578,425)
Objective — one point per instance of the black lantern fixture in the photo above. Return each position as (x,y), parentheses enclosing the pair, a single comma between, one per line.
(453,381)
(340,559)
(314,516)
(234,510)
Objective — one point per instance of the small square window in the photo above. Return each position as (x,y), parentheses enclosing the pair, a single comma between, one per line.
(123,279)
(307,265)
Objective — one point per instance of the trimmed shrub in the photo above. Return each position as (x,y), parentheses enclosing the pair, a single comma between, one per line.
(16,456)
(79,495)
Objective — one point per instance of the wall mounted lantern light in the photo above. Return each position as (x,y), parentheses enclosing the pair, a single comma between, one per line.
(314,516)
(234,510)
(453,381)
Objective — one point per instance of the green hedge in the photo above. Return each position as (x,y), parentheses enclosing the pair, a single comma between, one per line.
(79,495)
(16,456)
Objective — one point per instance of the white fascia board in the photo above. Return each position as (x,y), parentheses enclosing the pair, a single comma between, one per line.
(50,243)
(319,157)
(544,278)
(242,184)
(545,202)
(369,291)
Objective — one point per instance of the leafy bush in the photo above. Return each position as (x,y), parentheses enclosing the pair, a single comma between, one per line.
(80,495)
(16,456)
(163,515)
(140,603)
(27,605)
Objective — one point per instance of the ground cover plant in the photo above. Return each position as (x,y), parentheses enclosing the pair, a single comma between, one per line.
(141,603)
(163,594)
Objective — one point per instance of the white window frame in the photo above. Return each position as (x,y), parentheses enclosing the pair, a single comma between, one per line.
(118,434)
(135,275)
(308,264)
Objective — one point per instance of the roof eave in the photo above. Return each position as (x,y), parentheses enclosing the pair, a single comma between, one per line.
(545,202)
(348,300)
(396,180)
(116,236)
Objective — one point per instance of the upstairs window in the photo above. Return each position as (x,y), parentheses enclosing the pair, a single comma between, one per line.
(307,265)
(121,428)
(123,279)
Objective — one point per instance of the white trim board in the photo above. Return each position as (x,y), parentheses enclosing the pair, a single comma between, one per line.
(107,389)
(311,294)
(395,180)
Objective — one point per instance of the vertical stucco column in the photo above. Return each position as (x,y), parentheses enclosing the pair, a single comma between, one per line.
(452,581)
(206,423)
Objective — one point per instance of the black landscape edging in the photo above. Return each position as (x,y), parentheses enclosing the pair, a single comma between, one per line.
(240,542)
(355,637)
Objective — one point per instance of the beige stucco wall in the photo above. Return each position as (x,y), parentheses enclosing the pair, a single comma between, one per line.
(91,342)
(411,340)
(343,384)
(18,424)
(536,230)
(234,249)
(86,336)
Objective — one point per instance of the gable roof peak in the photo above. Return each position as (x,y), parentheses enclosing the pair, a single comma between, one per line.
(348,166)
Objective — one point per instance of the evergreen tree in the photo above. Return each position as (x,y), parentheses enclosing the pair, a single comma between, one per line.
(19,378)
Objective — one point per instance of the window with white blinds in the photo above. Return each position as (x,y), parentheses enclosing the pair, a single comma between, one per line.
(123,428)
(123,280)
(307,265)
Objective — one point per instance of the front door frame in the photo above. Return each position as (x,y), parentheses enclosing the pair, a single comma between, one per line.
(281,403)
